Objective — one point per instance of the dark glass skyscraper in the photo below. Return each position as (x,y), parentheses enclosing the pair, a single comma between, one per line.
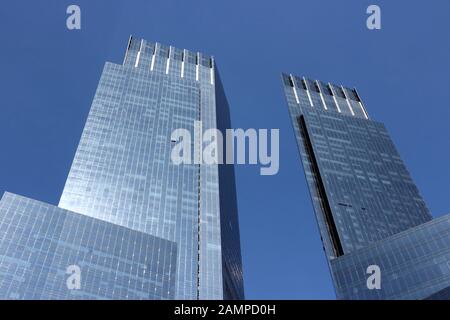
(123,177)
(368,209)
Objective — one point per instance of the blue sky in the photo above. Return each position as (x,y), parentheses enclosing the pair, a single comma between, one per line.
(48,76)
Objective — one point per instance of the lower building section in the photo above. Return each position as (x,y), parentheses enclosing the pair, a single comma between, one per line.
(444,294)
(413,264)
(50,253)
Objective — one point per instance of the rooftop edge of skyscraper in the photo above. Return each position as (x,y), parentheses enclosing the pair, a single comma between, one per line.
(331,97)
(154,56)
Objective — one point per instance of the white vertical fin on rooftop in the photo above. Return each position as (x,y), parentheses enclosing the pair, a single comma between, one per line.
(361,104)
(293,88)
(211,70)
(138,54)
(137,59)
(348,102)
(334,97)
(128,48)
(168,60)
(153,57)
(307,92)
(363,109)
(197,66)
(321,95)
(183,57)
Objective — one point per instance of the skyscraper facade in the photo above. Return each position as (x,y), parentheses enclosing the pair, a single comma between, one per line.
(368,209)
(122,173)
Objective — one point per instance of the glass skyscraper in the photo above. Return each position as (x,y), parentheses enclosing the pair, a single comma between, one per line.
(122,177)
(368,209)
